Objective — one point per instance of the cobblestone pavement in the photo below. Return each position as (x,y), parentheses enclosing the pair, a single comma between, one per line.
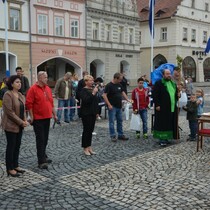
(134,174)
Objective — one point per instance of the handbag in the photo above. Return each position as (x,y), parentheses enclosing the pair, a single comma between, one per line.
(135,122)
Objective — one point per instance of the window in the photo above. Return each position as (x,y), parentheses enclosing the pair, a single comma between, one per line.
(163,34)
(59,26)
(140,37)
(204,36)
(42,24)
(206,7)
(185,34)
(193,35)
(121,34)
(75,28)
(107,32)
(130,36)
(95,31)
(193,3)
(14,16)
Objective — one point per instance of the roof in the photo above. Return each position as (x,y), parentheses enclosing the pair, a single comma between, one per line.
(163,8)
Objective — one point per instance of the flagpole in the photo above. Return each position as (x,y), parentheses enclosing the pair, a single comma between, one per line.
(6,38)
(152,36)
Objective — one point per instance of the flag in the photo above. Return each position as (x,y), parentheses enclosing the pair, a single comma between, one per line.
(157,74)
(207,46)
(151,16)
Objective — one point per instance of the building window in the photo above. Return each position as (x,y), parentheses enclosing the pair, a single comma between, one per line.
(75,28)
(206,7)
(121,34)
(108,32)
(193,4)
(95,31)
(184,34)
(130,36)
(42,24)
(140,37)
(193,35)
(204,36)
(163,34)
(14,15)
(59,26)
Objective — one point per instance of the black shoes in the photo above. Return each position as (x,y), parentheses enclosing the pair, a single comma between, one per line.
(43,166)
(123,138)
(113,138)
(48,160)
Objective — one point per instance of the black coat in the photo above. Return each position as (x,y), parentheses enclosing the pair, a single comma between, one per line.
(165,120)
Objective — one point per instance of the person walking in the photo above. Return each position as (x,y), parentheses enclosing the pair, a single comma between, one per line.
(140,98)
(165,96)
(39,102)
(88,111)
(113,94)
(13,122)
(63,93)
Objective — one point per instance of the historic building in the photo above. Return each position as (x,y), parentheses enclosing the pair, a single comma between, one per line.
(112,33)
(181,27)
(18,36)
(57,37)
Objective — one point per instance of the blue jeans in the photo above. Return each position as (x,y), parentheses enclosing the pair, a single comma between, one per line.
(143,115)
(193,128)
(63,103)
(115,113)
(72,103)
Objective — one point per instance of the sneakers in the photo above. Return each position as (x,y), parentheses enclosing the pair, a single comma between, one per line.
(145,136)
(113,138)
(122,138)
(43,166)
(138,135)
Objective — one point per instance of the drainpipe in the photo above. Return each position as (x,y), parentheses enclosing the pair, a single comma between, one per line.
(30,46)
(86,6)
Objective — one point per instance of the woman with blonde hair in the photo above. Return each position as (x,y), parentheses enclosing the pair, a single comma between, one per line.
(89,110)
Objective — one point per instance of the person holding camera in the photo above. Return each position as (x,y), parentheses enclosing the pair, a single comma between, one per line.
(88,112)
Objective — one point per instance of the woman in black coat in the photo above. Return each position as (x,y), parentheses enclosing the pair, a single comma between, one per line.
(88,111)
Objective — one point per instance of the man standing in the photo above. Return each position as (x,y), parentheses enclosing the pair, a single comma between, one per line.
(113,98)
(24,81)
(63,92)
(39,102)
(165,96)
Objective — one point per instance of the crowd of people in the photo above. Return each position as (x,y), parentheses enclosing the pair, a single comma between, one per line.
(24,105)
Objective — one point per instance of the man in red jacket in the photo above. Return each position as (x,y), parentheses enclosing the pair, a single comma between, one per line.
(140,99)
(39,102)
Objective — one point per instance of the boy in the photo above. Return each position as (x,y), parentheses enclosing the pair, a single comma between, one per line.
(191,109)
(140,99)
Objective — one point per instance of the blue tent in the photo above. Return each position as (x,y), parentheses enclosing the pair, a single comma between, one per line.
(157,74)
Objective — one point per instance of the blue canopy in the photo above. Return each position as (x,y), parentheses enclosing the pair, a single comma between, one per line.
(157,74)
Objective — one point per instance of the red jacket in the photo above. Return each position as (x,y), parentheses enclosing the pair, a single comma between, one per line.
(40,100)
(140,98)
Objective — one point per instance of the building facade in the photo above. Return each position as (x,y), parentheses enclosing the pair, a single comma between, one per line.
(57,37)
(181,27)
(112,33)
(18,36)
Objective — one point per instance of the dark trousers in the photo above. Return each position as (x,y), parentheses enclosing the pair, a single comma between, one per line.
(193,128)
(88,122)
(41,129)
(13,148)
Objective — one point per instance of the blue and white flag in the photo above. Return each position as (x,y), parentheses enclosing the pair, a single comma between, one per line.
(151,16)
(207,46)
(157,74)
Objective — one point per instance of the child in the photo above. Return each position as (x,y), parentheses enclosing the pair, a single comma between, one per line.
(191,109)
(140,99)
(200,101)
